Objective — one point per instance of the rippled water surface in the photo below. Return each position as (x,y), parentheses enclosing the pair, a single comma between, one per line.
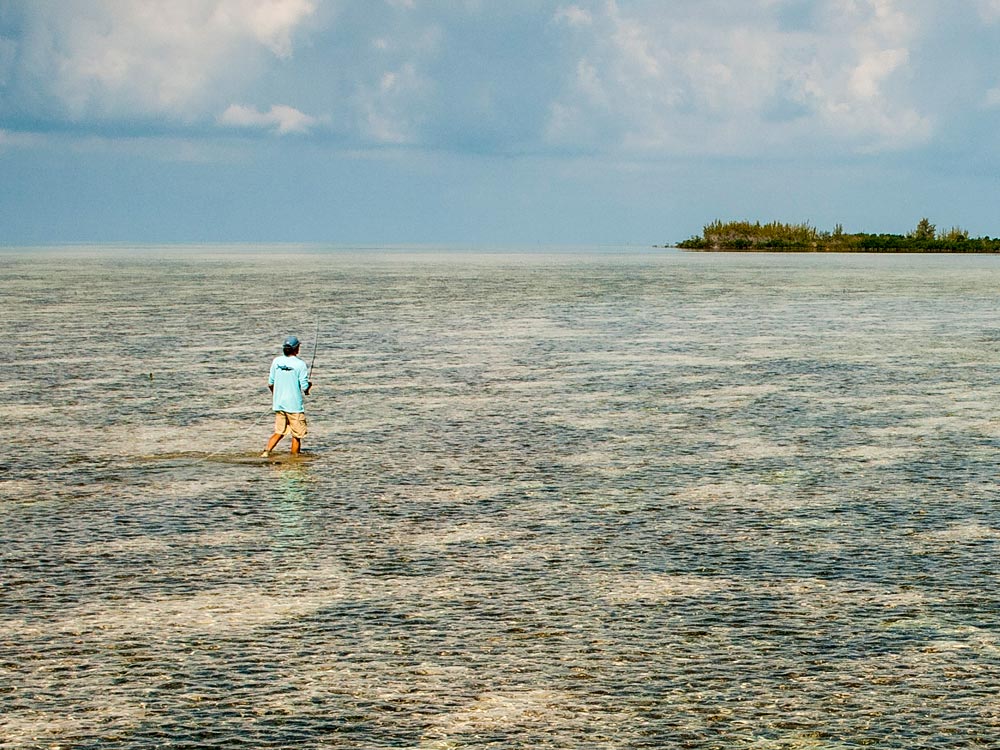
(587,499)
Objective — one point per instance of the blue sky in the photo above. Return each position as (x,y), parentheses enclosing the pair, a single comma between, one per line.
(489,122)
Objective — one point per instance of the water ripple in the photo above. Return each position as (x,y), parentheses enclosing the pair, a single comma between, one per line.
(585,500)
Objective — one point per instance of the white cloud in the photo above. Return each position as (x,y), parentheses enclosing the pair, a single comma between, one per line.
(128,58)
(391,110)
(574,15)
(727,77)
(867,77)
(271,22)
(645,76)
(17,140)
(280,119)
(989,10)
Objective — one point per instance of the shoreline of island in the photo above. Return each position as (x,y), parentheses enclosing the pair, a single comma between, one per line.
(744,236)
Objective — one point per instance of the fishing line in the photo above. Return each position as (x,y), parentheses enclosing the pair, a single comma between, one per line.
(241,436)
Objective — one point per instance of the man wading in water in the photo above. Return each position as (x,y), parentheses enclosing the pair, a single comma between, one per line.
(289,382)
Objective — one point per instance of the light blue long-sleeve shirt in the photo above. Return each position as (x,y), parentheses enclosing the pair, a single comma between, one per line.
(290,378)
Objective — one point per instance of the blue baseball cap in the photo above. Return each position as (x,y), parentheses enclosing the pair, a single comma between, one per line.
(291,342)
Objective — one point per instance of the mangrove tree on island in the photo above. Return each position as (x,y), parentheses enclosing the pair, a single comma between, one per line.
(779,237)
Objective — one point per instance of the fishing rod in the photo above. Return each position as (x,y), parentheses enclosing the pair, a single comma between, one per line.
(315,347)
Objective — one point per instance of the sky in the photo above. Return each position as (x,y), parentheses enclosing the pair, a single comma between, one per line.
(487,122)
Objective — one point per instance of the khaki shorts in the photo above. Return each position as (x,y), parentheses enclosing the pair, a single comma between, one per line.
(290,424)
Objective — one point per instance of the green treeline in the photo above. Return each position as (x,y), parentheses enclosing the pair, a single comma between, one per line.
(778,237)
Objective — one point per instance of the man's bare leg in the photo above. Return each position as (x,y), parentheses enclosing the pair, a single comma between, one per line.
(275,439)
(296,445)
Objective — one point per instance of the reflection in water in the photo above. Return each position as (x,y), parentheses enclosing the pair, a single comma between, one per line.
(290,505)
(556,500)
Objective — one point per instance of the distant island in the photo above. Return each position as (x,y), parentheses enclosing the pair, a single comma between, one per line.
(742,236)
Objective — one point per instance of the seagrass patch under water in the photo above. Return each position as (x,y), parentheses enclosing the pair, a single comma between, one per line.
(552,500)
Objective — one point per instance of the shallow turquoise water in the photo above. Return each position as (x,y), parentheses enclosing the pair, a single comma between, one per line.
(552,500)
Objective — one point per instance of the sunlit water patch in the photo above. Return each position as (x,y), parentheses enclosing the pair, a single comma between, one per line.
(561,499)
